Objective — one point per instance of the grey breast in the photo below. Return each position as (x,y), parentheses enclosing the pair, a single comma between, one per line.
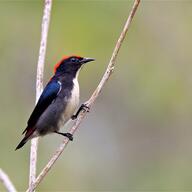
(60,110)
(48,122)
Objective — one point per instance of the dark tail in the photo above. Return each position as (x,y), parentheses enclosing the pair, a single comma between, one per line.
(28,135)
(23,141)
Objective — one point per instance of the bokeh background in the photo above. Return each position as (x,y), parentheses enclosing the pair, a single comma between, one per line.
(138,135)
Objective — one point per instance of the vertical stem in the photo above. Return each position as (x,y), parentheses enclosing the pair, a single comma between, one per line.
(39,86)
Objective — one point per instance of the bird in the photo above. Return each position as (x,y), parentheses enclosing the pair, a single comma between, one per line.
(58,101)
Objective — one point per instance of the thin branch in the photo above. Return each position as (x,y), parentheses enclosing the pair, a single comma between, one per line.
(6,181)
(94,96)
(39,85)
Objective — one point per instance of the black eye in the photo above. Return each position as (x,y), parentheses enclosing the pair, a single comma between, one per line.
(74,60)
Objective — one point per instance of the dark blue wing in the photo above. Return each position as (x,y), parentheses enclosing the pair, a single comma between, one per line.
(47,97)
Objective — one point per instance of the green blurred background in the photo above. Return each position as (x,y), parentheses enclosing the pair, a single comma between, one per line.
(138,135)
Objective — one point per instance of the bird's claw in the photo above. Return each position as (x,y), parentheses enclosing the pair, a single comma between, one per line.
(73,117)
(83,107)
(68,135)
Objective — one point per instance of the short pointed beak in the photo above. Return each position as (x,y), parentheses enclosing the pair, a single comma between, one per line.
(86,60)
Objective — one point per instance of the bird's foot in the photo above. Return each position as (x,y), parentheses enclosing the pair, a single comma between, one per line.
(83,107)
(68,135)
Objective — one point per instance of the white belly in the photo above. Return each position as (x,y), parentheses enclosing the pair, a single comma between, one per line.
(73,101)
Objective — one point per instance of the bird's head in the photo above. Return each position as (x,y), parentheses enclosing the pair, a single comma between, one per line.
(71,64)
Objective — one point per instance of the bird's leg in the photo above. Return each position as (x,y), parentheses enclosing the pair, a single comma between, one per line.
(82,107)
(68,135)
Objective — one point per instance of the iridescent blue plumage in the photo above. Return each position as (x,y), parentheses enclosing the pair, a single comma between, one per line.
(47,97)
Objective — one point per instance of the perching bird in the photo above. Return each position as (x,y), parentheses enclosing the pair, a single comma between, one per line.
(58,101)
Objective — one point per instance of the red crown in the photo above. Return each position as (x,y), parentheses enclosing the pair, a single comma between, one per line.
(63,59)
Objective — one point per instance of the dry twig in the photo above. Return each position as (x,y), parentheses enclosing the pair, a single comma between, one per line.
(92,99)
(39,85)
(6,182)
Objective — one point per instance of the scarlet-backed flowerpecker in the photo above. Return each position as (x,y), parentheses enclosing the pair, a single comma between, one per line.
(58,102)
